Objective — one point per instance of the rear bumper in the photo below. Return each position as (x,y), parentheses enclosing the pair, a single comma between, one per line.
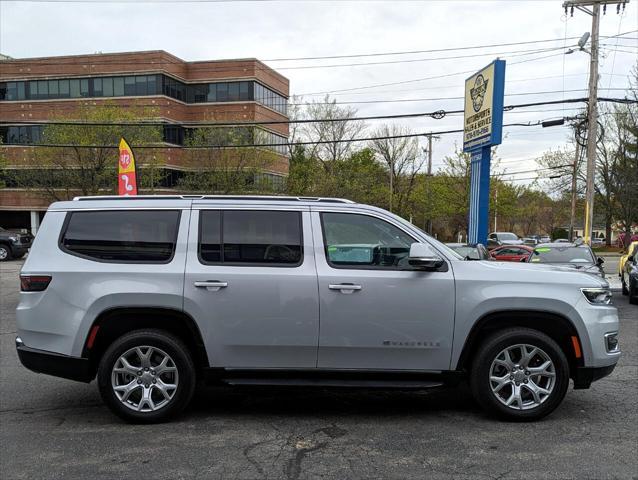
(41,361)
(584,376)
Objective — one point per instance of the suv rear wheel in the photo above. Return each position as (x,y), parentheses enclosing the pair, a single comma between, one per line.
(519,374)
(146,376)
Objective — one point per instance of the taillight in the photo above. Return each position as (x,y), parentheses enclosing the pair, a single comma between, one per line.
(34,283)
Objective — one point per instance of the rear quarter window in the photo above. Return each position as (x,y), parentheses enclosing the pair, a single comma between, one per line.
(121,236)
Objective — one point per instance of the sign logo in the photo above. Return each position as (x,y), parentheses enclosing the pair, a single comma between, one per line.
(478,92)
(483,109)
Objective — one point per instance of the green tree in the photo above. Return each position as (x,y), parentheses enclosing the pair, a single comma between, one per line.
(86,156)
(220,163)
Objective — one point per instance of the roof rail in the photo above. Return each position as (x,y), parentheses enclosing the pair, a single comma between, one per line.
(265,198)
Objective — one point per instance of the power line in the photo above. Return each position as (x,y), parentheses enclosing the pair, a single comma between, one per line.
(402,100)
(438,114)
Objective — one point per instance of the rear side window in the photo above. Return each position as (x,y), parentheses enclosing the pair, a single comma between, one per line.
(134,236)
(243,237)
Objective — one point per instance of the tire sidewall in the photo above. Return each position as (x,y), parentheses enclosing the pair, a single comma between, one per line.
(6,249)
(169,344)
(480,374)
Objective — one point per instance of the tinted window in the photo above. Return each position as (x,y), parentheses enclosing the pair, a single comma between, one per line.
(122,236)
(251,237)
(353,240)
(210,237)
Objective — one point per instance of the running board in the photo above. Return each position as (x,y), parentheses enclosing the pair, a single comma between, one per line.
(334,382)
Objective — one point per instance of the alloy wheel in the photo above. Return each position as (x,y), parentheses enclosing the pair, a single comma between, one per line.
(144,378)
(522,376)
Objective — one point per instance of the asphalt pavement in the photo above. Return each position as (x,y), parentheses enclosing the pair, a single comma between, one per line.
(54,428)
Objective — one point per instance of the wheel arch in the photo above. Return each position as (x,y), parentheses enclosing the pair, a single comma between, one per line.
(115,322)
(556,326)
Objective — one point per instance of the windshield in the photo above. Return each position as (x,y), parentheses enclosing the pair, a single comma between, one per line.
(562,255)
(507,236)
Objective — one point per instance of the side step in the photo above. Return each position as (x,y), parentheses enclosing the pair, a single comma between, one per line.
(334,382)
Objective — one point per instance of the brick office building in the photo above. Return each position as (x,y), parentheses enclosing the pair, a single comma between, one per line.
(179,92)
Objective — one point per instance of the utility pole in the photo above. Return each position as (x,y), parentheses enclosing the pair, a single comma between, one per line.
(495,208)
(592,107)
(428,191)
(572,217)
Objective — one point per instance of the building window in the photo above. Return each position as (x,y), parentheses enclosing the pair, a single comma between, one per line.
(74,86)
(118,87)
(142,85)
(64,89)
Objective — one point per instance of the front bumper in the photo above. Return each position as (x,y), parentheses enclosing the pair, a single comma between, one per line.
(584,376)
(41,361)
(19,249)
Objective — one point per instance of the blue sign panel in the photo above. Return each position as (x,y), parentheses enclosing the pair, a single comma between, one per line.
(482,128)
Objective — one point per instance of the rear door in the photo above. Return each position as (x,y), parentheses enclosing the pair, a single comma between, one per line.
(251,285)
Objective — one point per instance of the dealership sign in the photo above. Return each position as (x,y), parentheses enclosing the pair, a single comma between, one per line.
(483,119)
(482,128)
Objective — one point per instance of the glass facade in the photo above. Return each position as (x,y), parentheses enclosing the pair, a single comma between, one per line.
(143,85)
(174,134)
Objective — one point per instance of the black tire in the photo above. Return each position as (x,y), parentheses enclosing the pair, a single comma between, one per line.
(5,253)
(167,343)
(625,290)
(633,293)
(487,353)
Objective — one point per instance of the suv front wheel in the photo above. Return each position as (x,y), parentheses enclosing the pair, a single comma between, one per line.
(519,374)
(146,376)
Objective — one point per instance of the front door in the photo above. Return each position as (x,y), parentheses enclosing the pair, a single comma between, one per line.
(251,285)
(375,313)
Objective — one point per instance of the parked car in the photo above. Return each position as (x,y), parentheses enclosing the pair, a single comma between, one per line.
(631,250)
(561,240)
(471,251)
(530,240)
(629,273)
(150,294)
(496,239)
(518,253)
(13,244)
(630,278)
(597,242)
(573,255)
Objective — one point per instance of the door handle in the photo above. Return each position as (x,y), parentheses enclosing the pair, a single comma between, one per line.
(346,288)
(211,285)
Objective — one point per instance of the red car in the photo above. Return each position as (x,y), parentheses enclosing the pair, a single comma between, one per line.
(511,253)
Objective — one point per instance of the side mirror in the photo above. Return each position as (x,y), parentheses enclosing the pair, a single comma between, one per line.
(422,257)
(629,259)
(600,260)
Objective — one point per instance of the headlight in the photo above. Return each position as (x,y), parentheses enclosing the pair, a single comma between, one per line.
(597,296)
(14,238)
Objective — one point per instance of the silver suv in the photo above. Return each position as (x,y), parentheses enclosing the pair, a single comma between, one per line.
(151,294)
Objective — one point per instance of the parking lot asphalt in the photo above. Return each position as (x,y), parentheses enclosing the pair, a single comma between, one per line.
(54,428)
